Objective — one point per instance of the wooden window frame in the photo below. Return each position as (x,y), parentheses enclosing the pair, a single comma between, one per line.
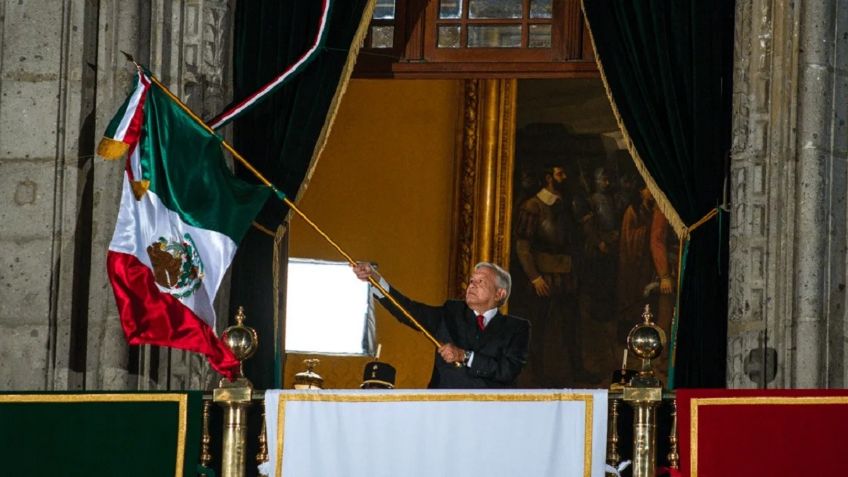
(415,55)
(382,58)
(490,55)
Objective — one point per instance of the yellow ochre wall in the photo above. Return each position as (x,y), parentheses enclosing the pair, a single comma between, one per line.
(383,191)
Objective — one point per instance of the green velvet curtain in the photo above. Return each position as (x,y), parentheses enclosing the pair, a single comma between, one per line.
(667,64)
(280,136)
(130,434)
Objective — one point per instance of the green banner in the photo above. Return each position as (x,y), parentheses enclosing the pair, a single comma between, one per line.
(100,434)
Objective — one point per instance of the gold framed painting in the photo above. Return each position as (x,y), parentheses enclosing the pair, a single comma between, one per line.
(546,189)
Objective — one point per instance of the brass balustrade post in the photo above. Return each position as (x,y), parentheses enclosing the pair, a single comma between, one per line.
(673,454)
(644,401)
(613,456)
(206,439)
(619,380)
(262,453)
(644,393)
(235,397)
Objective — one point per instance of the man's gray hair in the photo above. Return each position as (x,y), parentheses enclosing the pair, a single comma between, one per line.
(502,278)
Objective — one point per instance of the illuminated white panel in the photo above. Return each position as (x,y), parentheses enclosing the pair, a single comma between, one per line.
(327,309)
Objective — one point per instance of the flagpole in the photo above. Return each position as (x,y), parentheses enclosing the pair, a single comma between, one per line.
(289,203)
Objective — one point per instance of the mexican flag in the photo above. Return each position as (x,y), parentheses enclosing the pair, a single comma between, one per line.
(182,216)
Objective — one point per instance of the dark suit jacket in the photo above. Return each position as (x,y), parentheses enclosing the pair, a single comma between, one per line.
(500,350)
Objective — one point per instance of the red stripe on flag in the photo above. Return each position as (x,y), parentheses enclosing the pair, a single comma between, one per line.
(134,128)
(128,163)
(149,316)
(133,134)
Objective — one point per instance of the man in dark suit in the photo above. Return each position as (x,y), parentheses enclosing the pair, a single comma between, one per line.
(482,348)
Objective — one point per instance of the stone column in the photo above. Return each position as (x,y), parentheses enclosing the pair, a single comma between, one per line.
(47,95)
(819,319)
(101,347)
(788,178)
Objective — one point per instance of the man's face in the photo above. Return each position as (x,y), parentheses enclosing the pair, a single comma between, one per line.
(647,198)
(559,175)
(557,178)
(482,294)
(602,182)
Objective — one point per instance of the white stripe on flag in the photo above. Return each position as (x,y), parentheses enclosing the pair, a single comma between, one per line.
(131,108)
(135,162)
(141,223)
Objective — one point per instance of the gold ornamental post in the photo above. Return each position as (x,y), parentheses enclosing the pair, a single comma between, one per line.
(235,397)
(644,393)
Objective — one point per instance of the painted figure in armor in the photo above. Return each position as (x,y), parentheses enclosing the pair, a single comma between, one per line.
(598,275)
(545,240)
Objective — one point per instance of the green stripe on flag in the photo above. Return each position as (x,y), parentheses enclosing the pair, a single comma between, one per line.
(185,166)
(116,119)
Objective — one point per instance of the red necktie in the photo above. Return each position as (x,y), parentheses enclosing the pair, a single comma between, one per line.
(480,323)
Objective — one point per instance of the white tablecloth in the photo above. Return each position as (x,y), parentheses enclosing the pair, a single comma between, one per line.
(411,433)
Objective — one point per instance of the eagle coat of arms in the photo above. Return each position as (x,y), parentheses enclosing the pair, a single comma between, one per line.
(176,265)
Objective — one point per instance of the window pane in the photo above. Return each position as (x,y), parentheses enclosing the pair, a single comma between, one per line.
(384,10)
(314,324)
(450,9)
(494,9)
(494,36)
(382,36)
(540,36)
(540,9)
(448,37)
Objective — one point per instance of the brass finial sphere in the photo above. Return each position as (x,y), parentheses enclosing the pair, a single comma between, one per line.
(646,340)
(241,339)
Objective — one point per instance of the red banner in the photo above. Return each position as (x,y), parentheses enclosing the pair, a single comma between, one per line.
(762,432)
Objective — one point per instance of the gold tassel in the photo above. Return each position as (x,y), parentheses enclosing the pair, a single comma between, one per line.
(111,149)
(139,188)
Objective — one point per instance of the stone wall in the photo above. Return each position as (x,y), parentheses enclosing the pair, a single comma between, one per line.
(62,77)
(788,181)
